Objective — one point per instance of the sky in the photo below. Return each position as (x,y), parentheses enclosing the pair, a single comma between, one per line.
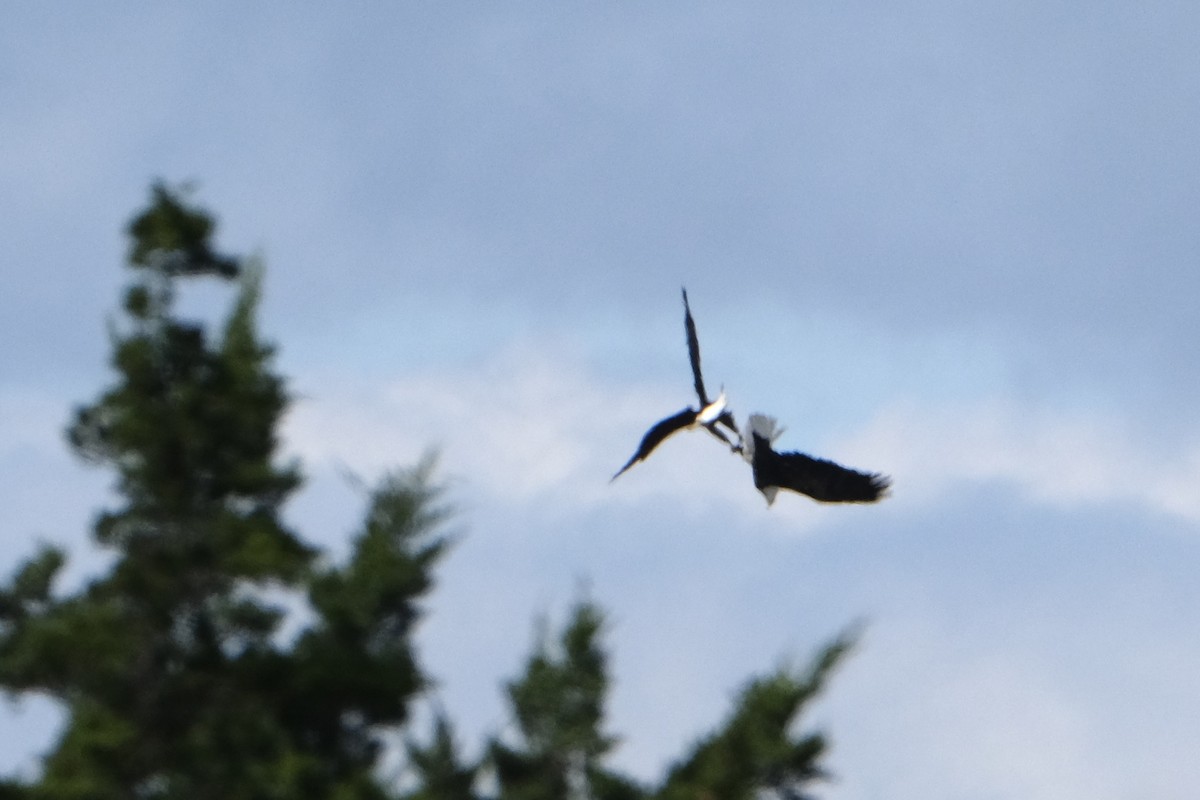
(950,242)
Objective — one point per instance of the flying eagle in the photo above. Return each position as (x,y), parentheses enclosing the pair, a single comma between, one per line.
(708,415)
(821,480)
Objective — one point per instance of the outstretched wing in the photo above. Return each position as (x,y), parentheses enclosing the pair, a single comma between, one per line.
(655,435)
(693,343)
(816,477)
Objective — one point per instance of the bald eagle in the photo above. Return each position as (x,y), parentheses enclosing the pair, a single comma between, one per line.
(708,415)
(816,477)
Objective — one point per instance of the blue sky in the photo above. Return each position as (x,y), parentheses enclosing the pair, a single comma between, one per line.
(952,242)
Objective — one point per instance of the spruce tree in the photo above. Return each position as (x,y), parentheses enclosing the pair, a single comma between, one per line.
(558,706)
(558,710)
(438,767)
(755,754)
(170,666)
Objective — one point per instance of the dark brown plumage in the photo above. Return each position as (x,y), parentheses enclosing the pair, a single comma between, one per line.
(818,478)
(656,434)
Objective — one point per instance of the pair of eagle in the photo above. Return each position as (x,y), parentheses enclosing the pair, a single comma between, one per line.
(816,477)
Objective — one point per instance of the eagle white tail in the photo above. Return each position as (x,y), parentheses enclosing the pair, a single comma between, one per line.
(766,427)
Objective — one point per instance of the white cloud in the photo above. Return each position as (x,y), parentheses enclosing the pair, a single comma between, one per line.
(530,425)
(520,426)
(526,426)
(1065,458)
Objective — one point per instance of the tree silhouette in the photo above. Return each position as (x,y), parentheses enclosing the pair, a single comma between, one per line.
(170,667)
(558,705)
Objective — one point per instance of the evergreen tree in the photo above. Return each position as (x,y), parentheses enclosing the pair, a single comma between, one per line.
(755,754)
(558,708)
(558,705)
(439,768)
(170,667)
